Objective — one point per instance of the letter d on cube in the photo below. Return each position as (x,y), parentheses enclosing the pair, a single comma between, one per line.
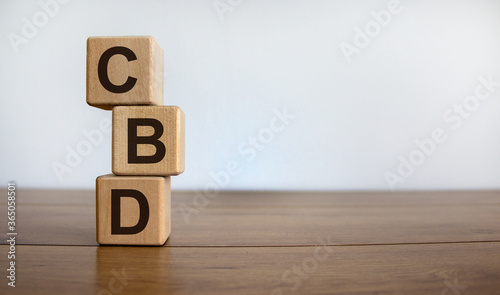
(132,210)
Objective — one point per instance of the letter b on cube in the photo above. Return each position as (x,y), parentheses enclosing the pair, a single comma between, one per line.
(148,140)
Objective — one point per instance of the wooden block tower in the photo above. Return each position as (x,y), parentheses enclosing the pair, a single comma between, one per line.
(125,75)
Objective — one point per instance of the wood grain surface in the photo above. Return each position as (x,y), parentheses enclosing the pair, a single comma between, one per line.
(268,243)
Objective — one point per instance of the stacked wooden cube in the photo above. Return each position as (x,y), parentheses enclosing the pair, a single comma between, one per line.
(125,75)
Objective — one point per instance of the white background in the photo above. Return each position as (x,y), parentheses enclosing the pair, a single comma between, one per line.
(228,71)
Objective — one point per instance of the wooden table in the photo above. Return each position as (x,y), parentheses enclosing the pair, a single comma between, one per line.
(266,243)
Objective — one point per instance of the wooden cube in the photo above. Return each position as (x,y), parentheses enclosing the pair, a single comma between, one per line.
(148,140)
(124,71)
(132,210)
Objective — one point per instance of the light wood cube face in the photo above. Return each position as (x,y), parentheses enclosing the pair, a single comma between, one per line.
(133,210)
(148,140)
(124,71)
